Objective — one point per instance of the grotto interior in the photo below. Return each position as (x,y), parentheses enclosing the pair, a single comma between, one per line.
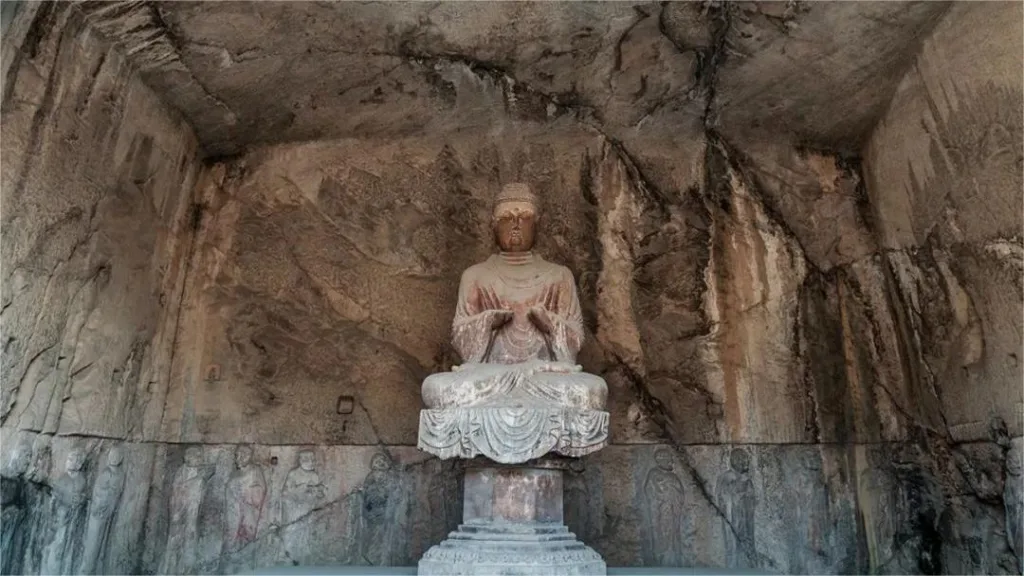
(232,235)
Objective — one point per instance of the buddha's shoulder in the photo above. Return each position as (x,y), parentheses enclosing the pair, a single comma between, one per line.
(479,269)
(553,268)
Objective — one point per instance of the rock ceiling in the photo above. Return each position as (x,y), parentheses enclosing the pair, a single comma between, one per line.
(243,73)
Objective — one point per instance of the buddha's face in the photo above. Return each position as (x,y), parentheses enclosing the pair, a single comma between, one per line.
(515,225)
(75,461)
(739,460)
(379,462)
(115,457)
(20,459)
(663,458)
(306,461)
(243,457)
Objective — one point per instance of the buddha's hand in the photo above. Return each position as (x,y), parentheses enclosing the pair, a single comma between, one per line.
(499,318)
(541,319)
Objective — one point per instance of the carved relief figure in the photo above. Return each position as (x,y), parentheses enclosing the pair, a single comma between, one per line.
(811,522)
(583,501)
(14,506)
(443,500)
(37,496)
(1013,498)
(106,494)
(383,513)
(735,495)
(302,489)
(518,328)
(68,507)
(878,503)
(663,492)
(186,496)
(245,495)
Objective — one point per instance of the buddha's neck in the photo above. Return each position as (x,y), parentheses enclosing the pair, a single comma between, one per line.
(516,258)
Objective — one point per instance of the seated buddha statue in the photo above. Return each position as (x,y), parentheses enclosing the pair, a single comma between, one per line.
(519,392)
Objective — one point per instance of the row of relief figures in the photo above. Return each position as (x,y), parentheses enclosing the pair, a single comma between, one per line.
(76,505)
(89,506)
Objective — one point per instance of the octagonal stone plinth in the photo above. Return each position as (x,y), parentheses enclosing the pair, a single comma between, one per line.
(512,524)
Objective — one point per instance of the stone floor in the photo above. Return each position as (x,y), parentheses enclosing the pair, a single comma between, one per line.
(403,570)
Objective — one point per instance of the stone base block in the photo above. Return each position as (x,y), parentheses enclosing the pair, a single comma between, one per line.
(512,524)
(512,549)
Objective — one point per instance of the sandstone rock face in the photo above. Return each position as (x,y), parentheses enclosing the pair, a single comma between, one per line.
(804,294)
(97,181)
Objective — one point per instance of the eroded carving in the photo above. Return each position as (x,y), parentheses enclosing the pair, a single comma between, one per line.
(106,494)
(879,505)
(1013,498)
(383,514)
(14,500)
(583,496)
(303,489)
(519,393)
(443,499)
(663,496)
(735,495)
(245,496)
(186,496)
(68,507)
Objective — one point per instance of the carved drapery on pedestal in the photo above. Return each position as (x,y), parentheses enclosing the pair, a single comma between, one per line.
(512,434)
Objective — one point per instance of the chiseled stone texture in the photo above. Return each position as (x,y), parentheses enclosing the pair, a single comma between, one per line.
(364,505)
(944,177)
(852,329)
(97,178)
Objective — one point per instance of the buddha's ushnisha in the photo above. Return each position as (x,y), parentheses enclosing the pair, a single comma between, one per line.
(517,324)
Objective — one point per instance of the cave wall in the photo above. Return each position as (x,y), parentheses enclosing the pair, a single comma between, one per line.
(323,286)
(97,180)
(785,360)
(944,176)
(944,172)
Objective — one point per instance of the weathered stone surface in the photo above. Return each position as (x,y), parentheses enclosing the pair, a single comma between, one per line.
(944,176)
(96,180)
(187,509)
(852,327)
(512,524)
(820,71)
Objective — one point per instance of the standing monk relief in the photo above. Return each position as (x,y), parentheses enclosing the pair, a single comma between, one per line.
(517,328)
(106,494)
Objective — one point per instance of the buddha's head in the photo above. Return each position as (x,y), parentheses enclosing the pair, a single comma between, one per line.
(514,219)
(75,461)
(115,457)
(243,457)
(20,457)
(663,458)
(193,457)
(380,462)
(739,461)
(307,460)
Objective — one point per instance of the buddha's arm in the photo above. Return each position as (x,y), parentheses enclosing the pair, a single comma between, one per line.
(567,321)
(473,323)
(471,336)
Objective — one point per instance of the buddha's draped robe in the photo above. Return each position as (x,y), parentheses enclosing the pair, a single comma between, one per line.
(517,364)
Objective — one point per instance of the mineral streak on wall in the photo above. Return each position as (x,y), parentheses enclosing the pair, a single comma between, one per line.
(813,357)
